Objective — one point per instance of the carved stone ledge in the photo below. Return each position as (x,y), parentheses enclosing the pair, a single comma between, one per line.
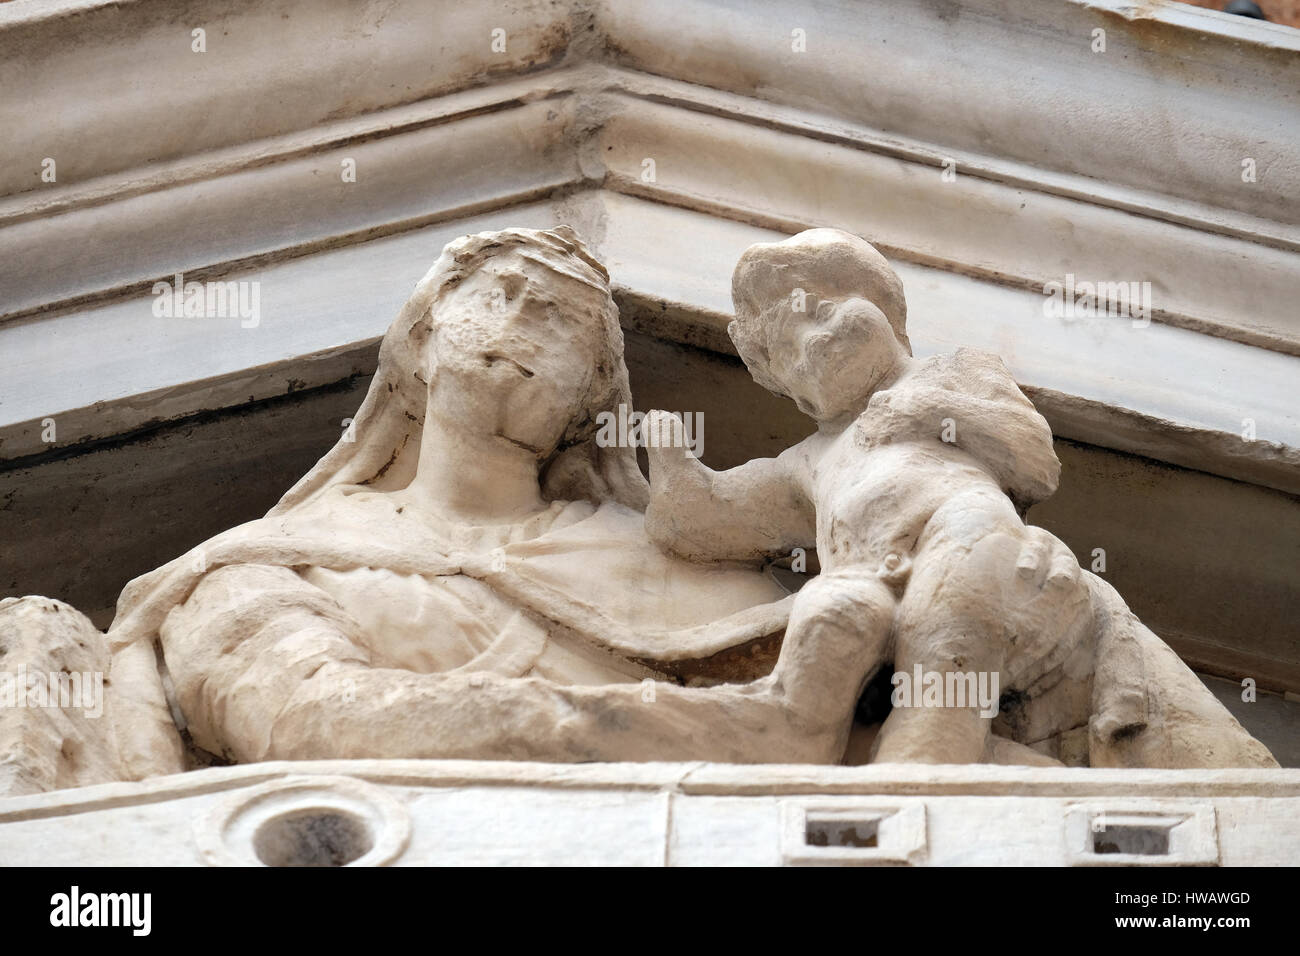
(477,812)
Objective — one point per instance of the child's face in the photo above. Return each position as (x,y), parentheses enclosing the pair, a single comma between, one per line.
(829,352)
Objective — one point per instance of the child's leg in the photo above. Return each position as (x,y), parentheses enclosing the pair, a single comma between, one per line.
(839,635)
(989,597)
(944,628)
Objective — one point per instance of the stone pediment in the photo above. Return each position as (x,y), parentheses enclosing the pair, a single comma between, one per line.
(981,147)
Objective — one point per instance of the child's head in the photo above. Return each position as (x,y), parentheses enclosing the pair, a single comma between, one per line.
(820,317)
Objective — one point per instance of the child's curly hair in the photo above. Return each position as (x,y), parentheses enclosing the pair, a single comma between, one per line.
(827,262)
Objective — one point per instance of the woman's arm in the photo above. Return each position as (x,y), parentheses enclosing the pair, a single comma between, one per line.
(266,667)
(240,646)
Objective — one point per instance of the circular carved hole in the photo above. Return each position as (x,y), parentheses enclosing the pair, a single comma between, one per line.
(313,838)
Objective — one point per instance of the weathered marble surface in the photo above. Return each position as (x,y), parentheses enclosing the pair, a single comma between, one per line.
(913,490)
(467,573)
(419,813)
(55,730)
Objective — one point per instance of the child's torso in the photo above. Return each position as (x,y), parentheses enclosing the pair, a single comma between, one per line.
(874,501)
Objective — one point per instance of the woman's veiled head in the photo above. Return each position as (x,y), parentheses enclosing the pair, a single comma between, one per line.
(494,308)
(525,341)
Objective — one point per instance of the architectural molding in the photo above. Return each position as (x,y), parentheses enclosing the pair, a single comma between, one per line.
(989,147)
(122,368)
(447,812)
(747,141)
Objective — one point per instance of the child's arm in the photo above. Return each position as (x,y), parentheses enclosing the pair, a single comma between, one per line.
(755,510)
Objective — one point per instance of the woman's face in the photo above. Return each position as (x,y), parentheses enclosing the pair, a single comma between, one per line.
(516,349)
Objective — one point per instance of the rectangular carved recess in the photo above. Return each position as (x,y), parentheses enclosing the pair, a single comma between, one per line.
(836,831)
(1146,839)
(864,832)
(1163,833)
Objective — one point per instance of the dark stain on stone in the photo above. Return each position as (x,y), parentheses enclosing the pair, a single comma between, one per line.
(949,11)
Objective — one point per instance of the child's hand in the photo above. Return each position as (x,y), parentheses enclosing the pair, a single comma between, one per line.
(752,511)
(679,482)
(671,461)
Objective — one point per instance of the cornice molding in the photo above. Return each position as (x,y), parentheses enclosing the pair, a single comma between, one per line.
(747,140)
